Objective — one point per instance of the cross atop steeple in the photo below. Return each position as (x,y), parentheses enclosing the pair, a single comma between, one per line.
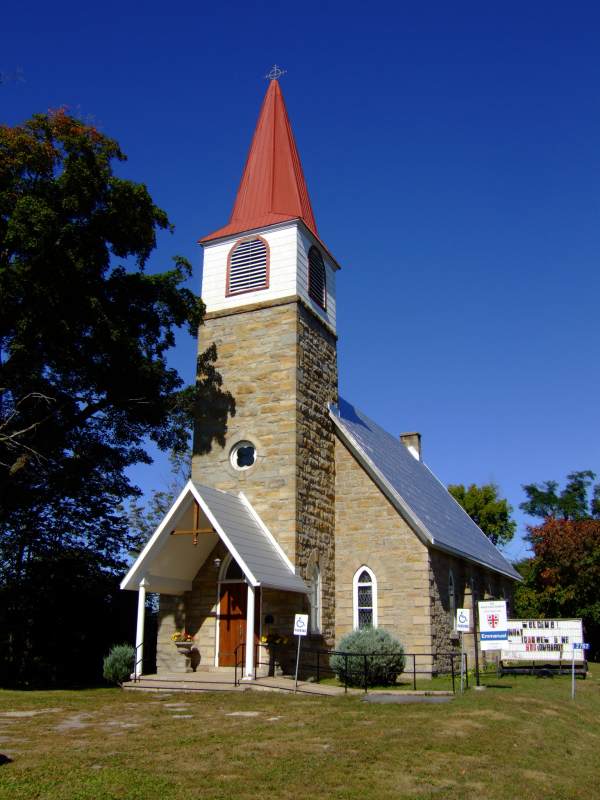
(275,73)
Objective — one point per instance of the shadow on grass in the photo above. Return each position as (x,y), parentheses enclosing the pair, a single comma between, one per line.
(498,686)
(5,759)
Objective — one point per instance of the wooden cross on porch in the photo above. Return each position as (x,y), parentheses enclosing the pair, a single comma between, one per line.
(196,530)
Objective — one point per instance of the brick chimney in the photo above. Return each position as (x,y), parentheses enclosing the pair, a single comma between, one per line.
(412,441)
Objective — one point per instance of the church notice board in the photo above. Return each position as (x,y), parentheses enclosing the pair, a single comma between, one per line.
(543,639)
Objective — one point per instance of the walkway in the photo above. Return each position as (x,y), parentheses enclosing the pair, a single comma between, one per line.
(223,682)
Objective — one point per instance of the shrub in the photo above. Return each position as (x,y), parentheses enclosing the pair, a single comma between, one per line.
(382,670)
(119,663)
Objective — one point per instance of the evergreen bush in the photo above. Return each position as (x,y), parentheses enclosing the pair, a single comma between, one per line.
(381,670)
(119,663)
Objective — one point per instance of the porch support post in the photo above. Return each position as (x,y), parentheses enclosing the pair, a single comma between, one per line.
(139,635)
(250,633)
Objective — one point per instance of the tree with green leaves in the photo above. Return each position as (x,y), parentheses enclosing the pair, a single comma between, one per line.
(487,509)
(572,503)
(84,384)
(84,330)
(144,519)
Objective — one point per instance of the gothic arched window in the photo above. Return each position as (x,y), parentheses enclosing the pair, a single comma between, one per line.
(365,598)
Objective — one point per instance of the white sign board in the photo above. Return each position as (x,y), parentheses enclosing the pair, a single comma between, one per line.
(463,620)
(543,640)
(493,625)
(301,625)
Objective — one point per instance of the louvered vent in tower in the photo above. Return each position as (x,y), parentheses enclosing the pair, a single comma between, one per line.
(248,268)
(316,276)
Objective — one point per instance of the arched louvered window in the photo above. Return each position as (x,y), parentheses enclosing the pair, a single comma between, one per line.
(316,277)
(248,266)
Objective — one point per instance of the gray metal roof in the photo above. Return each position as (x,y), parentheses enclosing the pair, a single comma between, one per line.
(253,547)
(418,494)
(169,563)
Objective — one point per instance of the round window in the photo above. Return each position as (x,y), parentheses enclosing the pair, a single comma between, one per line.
(243,455)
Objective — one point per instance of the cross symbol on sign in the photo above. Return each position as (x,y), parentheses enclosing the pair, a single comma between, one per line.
(493,620)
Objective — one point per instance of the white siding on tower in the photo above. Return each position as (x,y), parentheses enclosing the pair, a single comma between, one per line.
(288,272)
(305,242)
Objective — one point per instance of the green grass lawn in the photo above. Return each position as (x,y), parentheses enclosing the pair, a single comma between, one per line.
(528,739)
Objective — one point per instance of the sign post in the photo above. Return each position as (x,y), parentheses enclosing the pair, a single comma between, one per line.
(300,630)
(576,646)
(463,624)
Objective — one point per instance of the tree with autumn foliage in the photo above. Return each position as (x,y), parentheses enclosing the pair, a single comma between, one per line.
(84,384)
(562,579)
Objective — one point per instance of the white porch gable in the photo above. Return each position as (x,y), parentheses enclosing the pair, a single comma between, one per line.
(169,564)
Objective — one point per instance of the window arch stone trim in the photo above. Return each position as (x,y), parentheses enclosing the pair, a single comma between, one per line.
(355,599)
(225,564)
(225,456)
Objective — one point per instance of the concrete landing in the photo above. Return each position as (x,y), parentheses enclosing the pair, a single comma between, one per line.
(400,697)
(223,681)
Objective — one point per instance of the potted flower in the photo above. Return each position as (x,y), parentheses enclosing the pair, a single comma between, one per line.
(274,638)
(271,640)
(183,643)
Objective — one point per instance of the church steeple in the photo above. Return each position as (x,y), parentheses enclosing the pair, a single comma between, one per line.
(272,188)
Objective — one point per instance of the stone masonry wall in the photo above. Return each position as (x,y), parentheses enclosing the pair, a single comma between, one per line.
(171,618)
(257,359)
(279,363)
(370,532)
(194,613)
(462,571)
(315,503)
(201,610)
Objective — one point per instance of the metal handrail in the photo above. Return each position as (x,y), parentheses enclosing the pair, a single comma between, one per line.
(349,654)
(138,661)
(241,662)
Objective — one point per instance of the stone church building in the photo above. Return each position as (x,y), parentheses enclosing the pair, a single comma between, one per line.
(300,503)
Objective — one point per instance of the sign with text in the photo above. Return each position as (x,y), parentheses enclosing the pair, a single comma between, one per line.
(463,620)
(543,639)
(493,625)
(581,646)
(301,625)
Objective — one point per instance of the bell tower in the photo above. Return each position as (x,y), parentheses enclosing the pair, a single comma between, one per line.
(269,288)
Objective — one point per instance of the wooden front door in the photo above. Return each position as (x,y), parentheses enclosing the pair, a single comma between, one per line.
(232,621)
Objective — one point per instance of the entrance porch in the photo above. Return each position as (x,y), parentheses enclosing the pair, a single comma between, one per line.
(219,573)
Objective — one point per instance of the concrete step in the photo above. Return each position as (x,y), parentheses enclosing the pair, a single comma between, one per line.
(148,684)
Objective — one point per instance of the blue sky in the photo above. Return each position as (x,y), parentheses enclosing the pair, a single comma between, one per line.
(451,155)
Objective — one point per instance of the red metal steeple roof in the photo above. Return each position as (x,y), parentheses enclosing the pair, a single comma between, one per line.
(272,188)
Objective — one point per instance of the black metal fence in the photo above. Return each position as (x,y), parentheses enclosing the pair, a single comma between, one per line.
(316,661)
